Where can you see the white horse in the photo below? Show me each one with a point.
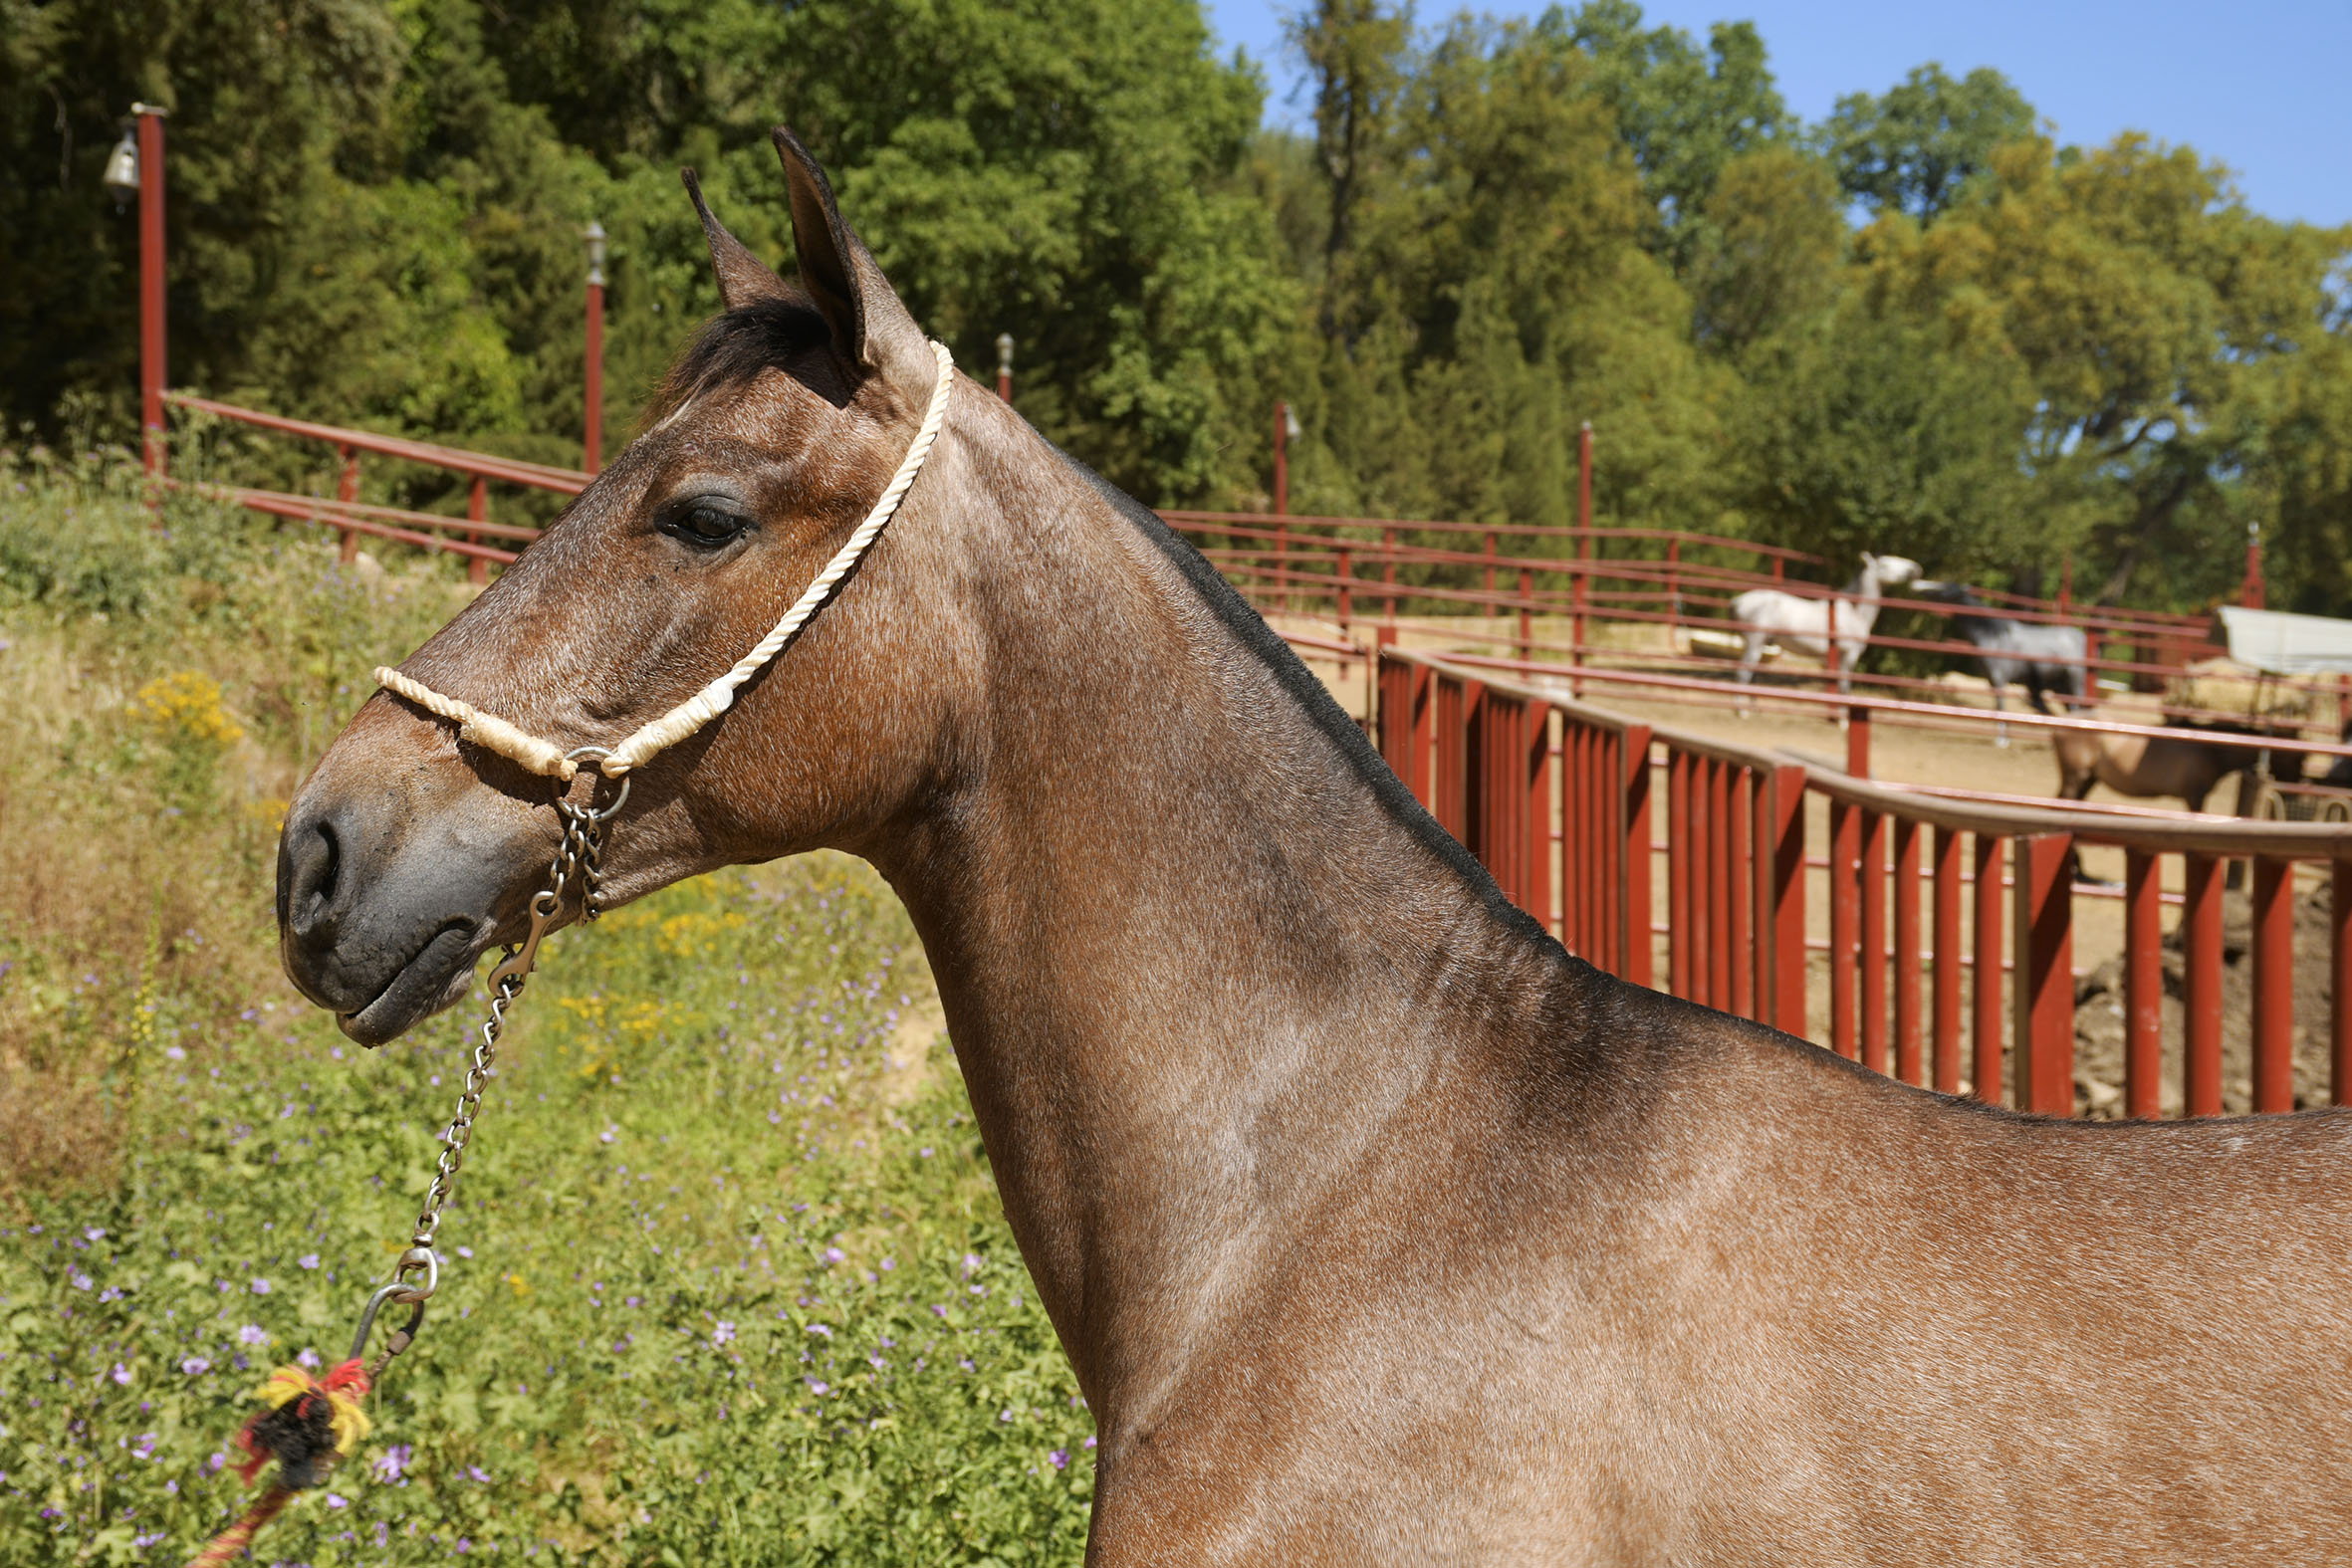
(1772, 616)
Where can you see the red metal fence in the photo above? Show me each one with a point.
(1581, 813)
(1338, 566)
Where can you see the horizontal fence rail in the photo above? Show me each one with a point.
(1339, 568)
(1949, 956)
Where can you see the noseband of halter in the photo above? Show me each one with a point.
(545, 756)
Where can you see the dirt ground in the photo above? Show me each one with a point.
(2025, 767)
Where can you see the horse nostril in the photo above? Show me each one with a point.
(309, 871)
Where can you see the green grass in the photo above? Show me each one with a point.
(727, 1279)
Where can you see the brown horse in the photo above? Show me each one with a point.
(1378, 1229)
(2145, 765)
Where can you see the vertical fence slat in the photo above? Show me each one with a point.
(1874, 941)
(2143, 984)
(2045, 1001)
(2201, 916)
(1678, 869)
(1738, 866)
(1590, 825)
(1605, 776)
(2275, 985)
(1424, 719)
(1760, 841)
(1845, 852)
(1719, 884)
(1633, 794)
(1789, 965)
(1535, 811)
(1906, 893)
(2339, 990)
(1945, 934)
(1985, 1020)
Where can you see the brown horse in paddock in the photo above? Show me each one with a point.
(2146, 765)
(1377, 1228)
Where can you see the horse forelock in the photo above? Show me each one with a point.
(734, 347)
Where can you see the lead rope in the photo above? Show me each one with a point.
(545, 756)
(307, 1424)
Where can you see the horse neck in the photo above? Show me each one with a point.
(1863, 607)
(1195, 954)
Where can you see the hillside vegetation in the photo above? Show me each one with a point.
(1922, 325)
(727, 1279)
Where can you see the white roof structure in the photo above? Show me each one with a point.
(2279, 643)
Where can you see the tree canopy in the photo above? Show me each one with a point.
(1921, 326)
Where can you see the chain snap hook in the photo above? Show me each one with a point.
(400, 1338)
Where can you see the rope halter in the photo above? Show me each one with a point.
(492, 733)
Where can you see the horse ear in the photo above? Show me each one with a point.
(870, 326)
(744, 278)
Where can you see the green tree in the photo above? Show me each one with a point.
(1494, 293)
(1912, 148)
(2162, 325)
(1685, 113)
(1769, 248)
(1861, 431)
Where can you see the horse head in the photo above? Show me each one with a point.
(410, 851)
(1959, 593)
(1890, 571)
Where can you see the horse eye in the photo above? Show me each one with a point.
(708, 525)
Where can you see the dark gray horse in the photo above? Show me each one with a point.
(2042, 659)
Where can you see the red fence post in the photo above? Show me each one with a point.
(1984, 1072)
(1346, 587)
(477, 510)
(1527, 613)
(2339, 990)
(346, 487)
(1388, 572)
(151, 352)
(1488, 608)
(2275, 985)
(1907, 1030)
(1640, 961)
(2045, 997)
(1788, 899)
(2143, 985)
(2201, 916)
(1945, 935)
(1580, 590)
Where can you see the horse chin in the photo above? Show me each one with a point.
(431, 981)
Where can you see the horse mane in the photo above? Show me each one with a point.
(1248, 628)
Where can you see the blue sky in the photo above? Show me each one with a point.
(2265, 85)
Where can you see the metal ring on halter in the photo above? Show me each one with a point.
(598, 753)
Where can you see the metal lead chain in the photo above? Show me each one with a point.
(578, 862)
